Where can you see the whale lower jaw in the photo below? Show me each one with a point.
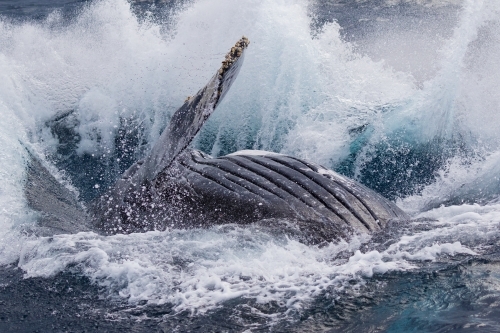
(248, 188)
(277, 193)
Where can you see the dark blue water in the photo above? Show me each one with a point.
(400, 96)
(36, 9)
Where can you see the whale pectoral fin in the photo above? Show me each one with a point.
(190, 117)
(58, 208)
(134, 186)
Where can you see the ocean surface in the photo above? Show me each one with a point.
(401, 95)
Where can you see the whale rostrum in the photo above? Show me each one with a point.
(175, 186)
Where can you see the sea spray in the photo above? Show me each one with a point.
(310, 96)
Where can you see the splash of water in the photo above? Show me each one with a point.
(314, 97)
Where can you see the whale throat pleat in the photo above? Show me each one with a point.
(190, 117)
(333, 202)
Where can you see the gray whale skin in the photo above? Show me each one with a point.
(176, 187)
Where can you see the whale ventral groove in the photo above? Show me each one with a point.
(178, 187)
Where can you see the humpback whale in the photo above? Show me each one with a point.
(175, 186)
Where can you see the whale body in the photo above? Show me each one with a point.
(178, 187)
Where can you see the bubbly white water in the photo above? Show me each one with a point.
(295, 94)
(198, 270)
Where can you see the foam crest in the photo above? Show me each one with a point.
(462, 180)
(439, 109)
(297, 91)
(14, 211)
(199, 270)
(104, 63)
(446, 124)
(356, 91)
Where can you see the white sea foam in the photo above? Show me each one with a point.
(200, 269)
